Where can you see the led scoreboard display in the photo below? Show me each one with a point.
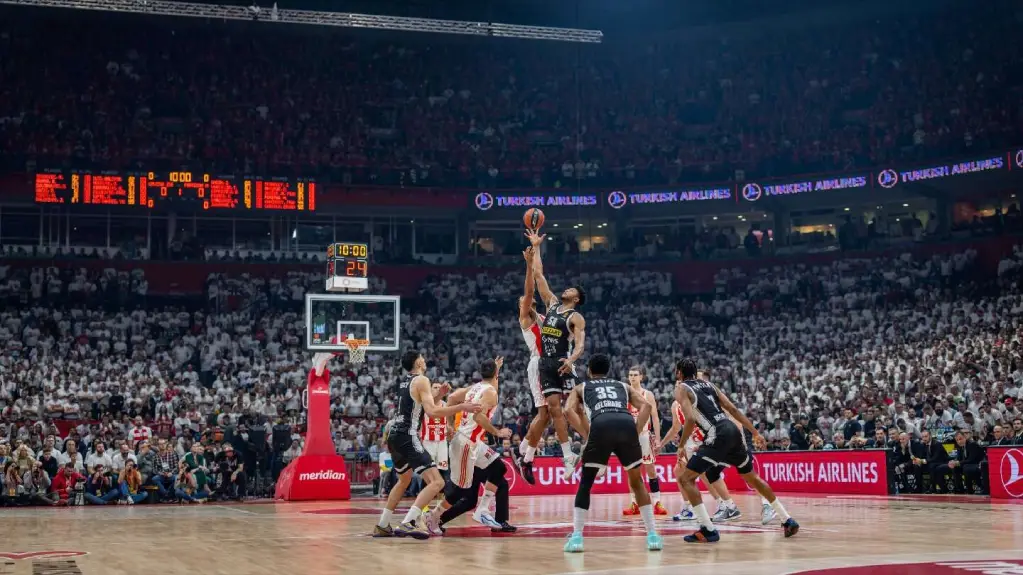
(347, 266)
(179, 189)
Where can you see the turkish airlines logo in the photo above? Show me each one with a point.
(321, 391)
(1012, 476)
(322, 476)
(22, 555)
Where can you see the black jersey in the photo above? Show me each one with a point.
(555, 338)
(603, 395)
(705, 401)
(409, 415)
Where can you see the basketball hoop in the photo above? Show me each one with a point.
(356, 350)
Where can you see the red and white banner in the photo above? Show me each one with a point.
(1005, 472)
(827, 472)
(832, 472)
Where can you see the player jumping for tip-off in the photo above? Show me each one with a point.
(562, 340)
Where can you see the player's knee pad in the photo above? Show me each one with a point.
(655, 484)
(582, 497)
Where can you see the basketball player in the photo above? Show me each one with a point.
(472, 460)
(684, 454)
(609, 428)
(725, 444)
(415, 395)
(648, 444)
(726, 510)
(434, 433)
(562, 339)
(529, 322)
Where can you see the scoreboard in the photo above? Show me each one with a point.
(179, 189)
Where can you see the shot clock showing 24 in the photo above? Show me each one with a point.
(347, 267)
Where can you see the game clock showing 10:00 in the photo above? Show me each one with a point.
(347, 260)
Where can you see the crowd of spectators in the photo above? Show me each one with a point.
(122, 402)
(402, 109)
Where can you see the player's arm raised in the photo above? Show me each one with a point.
(639, 402)
(573, 412)
(546, 294)
(578, 326)
(529, 292)
(487, 401)
(688, 411)
(737, 415)
(421, 387)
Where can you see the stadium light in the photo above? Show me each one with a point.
(316, 18)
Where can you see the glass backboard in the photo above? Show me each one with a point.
(332, 318)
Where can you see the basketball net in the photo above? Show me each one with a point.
(356, 350)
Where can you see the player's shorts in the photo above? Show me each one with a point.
(552, 382)
(407, 452)
(467, 456)
(728, 446)
(438, 452)
(533, 379)
(644, 446)
(613, 433)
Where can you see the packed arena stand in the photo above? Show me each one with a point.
(423, 110)
(844, 354)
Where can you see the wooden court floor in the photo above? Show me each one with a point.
(331, 538)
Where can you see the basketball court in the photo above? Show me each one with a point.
(840, 536)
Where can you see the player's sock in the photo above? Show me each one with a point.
(728, 503)
(530, 454)
(780, 510)
(385, 518)
(719, 503)
(566, 449)
(484, 503)
(655, 497)
(523, 447)
(579, 519)
(700, 511)
(764, 501)
(647, 513)
(632, 498)
(414, 513)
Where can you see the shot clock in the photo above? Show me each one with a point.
(347, 266)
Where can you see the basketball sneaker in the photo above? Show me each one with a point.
(654, 542)
(488, 521)
(505, 528)
(411, 529)
(685, 515)
(523, 468)
(433, 524)
(724, 514)
(631, 509)
(570, 461)
(379, 531)
(704, 535)
(659, 509)
(767, 514)
(790, 527)
(574, 543)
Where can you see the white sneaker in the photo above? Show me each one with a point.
(488, 521)
(432, 524)
(767, 515)
(720, 515)
(570, 461)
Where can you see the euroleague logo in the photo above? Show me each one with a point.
(1011, 468)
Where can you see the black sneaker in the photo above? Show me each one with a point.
(790, 527)
(504, 528)
(704, 535)
(526, 471)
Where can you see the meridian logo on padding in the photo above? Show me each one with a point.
(322, 476)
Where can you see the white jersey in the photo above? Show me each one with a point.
(532, 337)
(468, 426)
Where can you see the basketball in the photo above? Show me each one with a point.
(533, 218)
